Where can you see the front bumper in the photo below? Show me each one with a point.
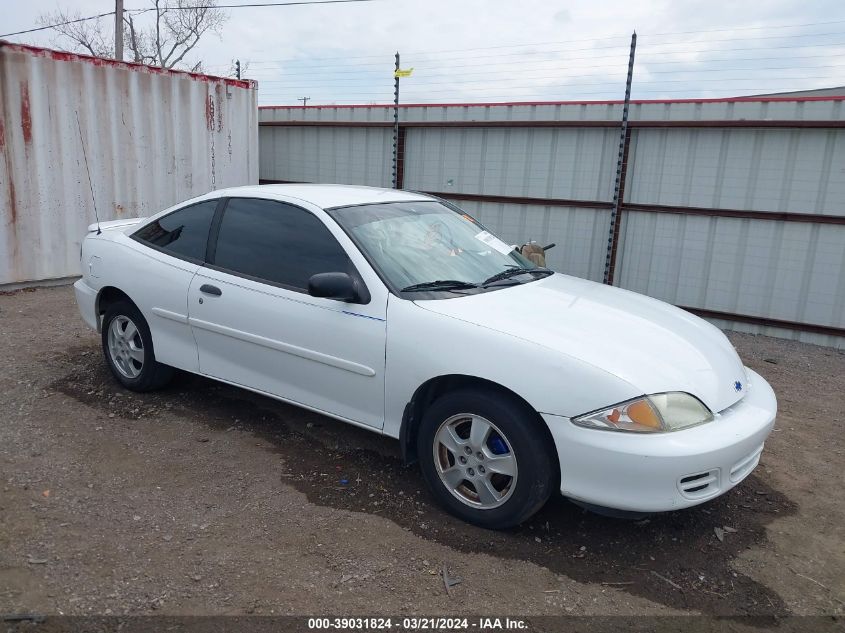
(666, 471)
(86, 299)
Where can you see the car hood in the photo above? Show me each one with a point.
(650, 344)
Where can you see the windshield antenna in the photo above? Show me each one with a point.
(90, 184)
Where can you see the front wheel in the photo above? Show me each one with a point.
(485, 458)
(128, 348)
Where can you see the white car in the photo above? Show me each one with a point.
(399, 313)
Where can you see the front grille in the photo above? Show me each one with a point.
(699, 485)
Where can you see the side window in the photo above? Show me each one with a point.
(276, 242)
(183, 233)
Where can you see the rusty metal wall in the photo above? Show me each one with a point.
(152, 138)
(545, 172)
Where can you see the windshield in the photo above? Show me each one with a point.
(427, 243)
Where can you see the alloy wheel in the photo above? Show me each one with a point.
(126, 347)
(475, 461)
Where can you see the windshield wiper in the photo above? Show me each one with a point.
(513, 272)
(440, 284)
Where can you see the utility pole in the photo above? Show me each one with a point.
(238, 68)
(621, 171)
(304, 100)
(396, 124)
(118, 30)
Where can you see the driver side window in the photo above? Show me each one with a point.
(276, 242)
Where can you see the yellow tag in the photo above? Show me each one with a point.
(403, 73)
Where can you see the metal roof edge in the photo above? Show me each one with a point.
(57, 55)
(755, 99)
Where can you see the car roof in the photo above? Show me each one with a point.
(327, 196)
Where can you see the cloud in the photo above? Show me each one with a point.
(493, 50)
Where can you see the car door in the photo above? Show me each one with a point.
(157, 272)
(256, 325)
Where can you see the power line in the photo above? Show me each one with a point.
(561, 82)
(434, 67)
(253, 5)
(597, 39)
(526, 57)
(424, 65)
(524, 73)
(276, 4)
(752, 28)
(614, 93)
(52, 26)
(735, 59)
(646, 58)
(564, 85)
(425, 56)
(455, 50)
(187, 8)
(449, 69)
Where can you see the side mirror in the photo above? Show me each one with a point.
(339, 286)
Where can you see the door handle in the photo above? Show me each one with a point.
(211, 290)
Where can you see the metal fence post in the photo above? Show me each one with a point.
(621, 173)
(396, 183)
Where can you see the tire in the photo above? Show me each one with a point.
(128, 349)
(511, 478)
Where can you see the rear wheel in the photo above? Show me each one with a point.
(128, 348)
(484, 458)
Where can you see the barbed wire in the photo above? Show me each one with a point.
(141, 11)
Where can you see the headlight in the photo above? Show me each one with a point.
(657, 413)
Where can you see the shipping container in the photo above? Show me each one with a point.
(79, 133)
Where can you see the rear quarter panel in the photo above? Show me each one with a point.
(156, 283)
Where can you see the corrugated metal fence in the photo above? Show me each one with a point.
(152, 138)
(734, 209)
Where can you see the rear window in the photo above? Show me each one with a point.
(183, 233)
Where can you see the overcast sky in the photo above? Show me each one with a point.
(510, 50)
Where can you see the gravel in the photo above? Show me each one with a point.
(206, 499)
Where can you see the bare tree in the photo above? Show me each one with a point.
(88, 36)
(174, 30)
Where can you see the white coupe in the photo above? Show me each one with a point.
(399, 313)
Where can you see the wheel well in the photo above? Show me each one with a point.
(108, 296)
(432, 389)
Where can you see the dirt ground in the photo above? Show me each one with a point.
(204, 498)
